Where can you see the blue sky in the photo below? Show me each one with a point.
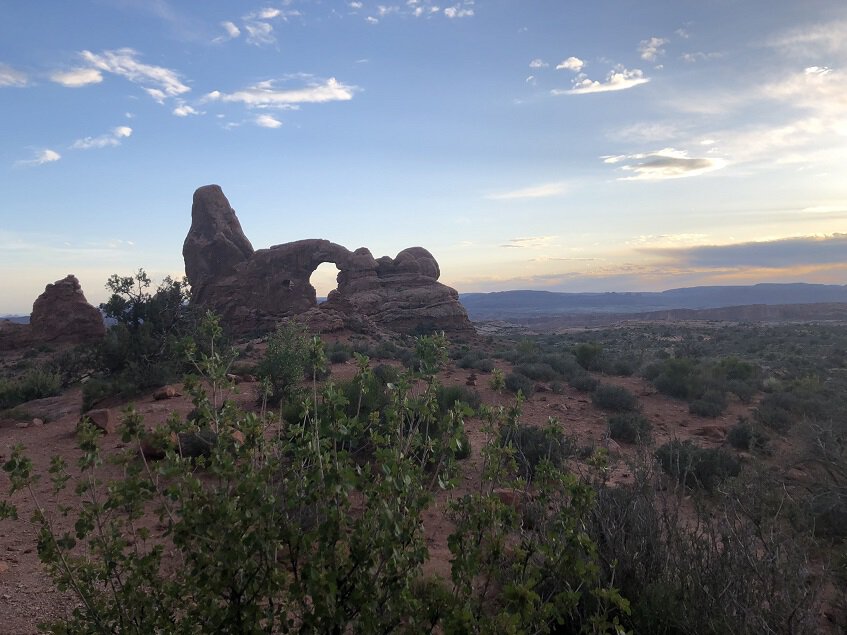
(573, 146)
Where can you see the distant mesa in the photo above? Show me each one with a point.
(60, 315)
(253, 289)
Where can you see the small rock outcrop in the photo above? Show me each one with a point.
(62, 314)
(253, 289)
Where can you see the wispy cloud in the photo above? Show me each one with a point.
(257, 24)
(11, 77)
(571, 64)
(41, 157)
(267, 121)
(111, 139)
(618, 79)
(538, 63)
(651, 48)
(231, 32)
(812, 39)
(184, 110)
(667, 163)
(158, 82)
(266, 95)
(464, 10)
(545, 190)
(531, 242)
(77, 77)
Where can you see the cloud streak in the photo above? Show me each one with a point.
(159, 82)
(41, 158)
(545, 190)
(111, 139)
(10, 77)
(667, 163)
(617, 79)
(266, 95)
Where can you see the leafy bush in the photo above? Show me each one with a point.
(517, 382)
(145, 346)
(743, 436)
(711, 404)
(35, 383)
(615, 398)
(532, 445)
(695, 466)
(588, 355)
(537, 371)
(677, 377)
(583, 382)
(447, 396)
(630, 427)
(284, 363)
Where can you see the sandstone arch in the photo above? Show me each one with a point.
(253, 289)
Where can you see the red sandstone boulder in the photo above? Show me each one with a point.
(62, 314)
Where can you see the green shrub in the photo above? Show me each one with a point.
(630, 427)
(284, 363)
(532, 445)
(517, 382)
(447, 396)
(711, 404)
(588, 355)
(615, 398)
(583, 382)
(35, 383)
(537, 371)
(743, 436)
(697, 467)
(339, 355)
(387, 373)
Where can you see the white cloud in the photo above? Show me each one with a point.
(11, 77)
(77, 77)
(652, 48)
(355, 5)
(828, 37)
(158, 81)
(267, 121)
(531, 242)
(383, 10)
(667, 163)
(41, 157)
(699, 56)
(538, 63)
(571, 64)
(259, 33)
(268, 13)
(265, 95)
(184, 110)
(111, 139)
(459, 11)
(372, 20)
(618, 79)
(232, 32)
(536, 191)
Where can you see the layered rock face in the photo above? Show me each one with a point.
(252, 290)
(62, 314)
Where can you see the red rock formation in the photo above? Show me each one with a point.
(62, 314)
(252, 290)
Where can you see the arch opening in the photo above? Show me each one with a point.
(324, 279)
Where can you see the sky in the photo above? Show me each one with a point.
(610, 145)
